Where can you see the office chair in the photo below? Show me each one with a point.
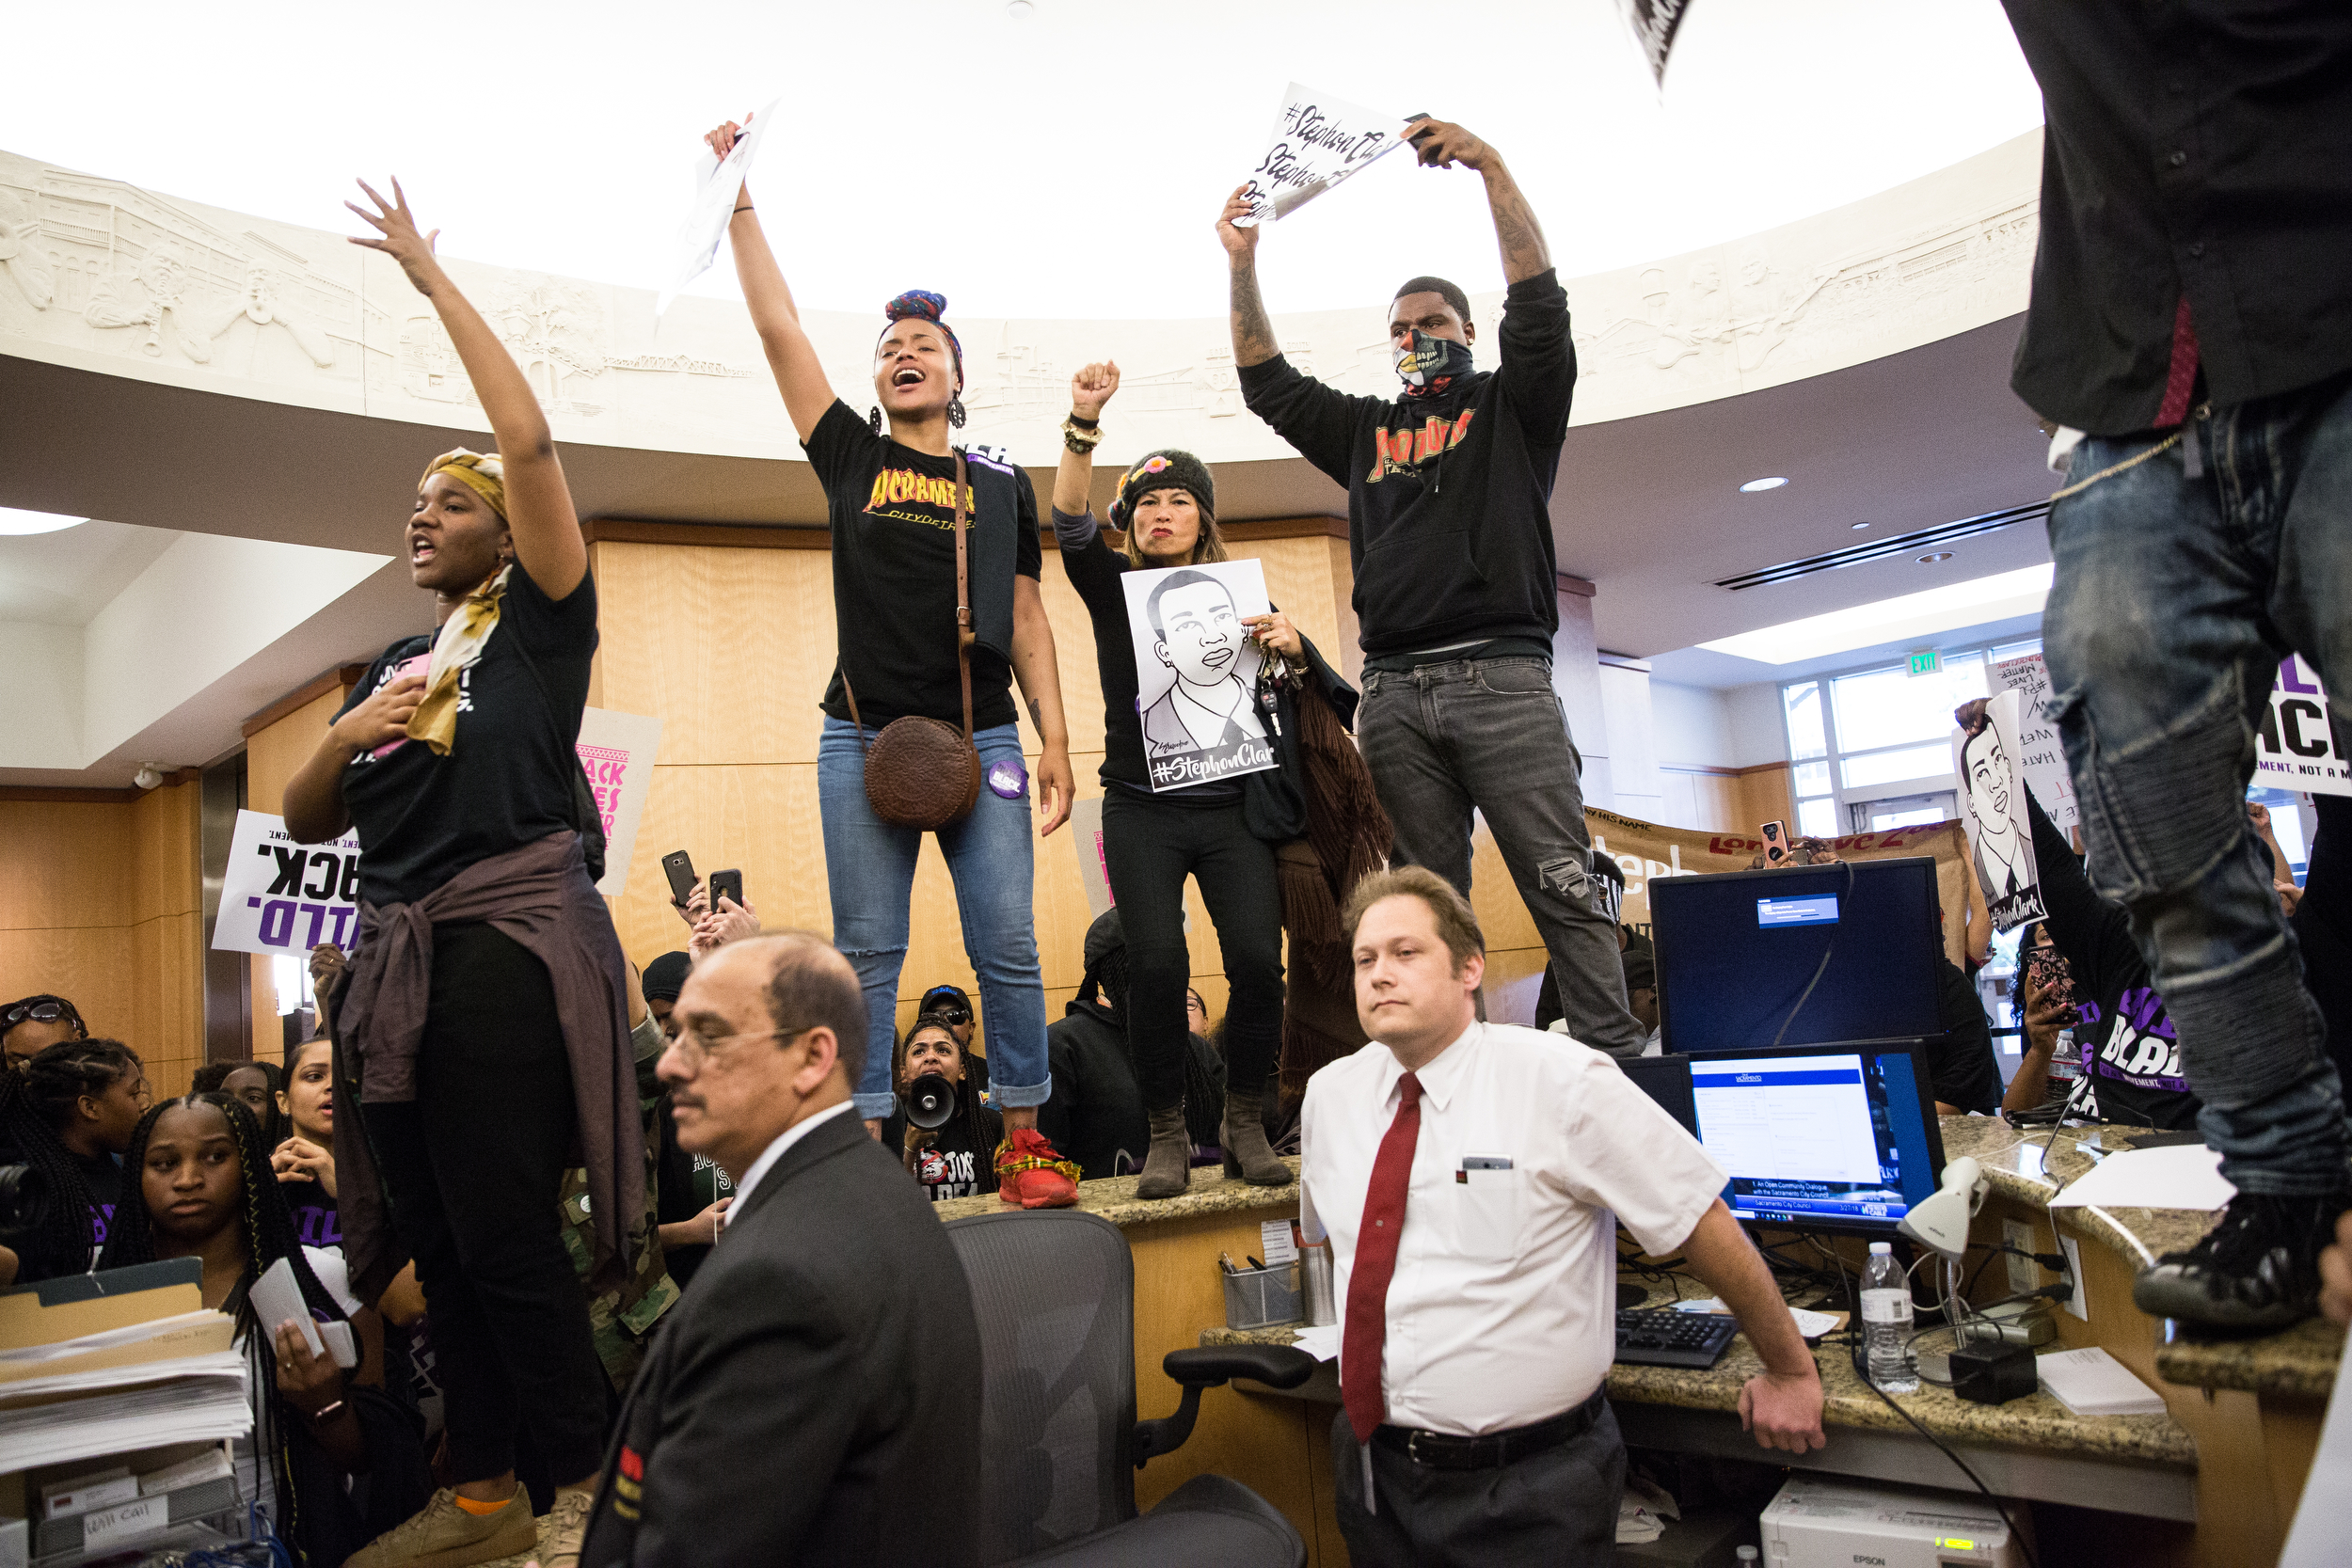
(1055, 1294)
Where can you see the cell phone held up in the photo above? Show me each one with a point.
(1775, 836)
(725, 884)
(679, 867)
(2046, 971)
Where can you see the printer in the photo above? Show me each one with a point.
(1822, 1522)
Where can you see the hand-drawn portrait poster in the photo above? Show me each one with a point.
(1992, 803)
(1197, 672)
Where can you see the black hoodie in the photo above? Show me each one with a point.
(1449, 494)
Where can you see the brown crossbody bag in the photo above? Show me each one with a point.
(921, 773)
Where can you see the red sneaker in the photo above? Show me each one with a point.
(1030, 1174)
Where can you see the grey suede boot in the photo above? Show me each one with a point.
(1167, 1168)
(1248, 1155)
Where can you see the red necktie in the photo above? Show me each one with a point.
(1366, 1335)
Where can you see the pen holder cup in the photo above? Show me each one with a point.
(1260, 1298)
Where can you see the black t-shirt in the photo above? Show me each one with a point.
(893, 515)
(317, 1220)
(958, 1163)
(507, 779)
(1961, 1061)
(102, 1177)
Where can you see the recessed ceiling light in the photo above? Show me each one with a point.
(14, 521)
(1019, 9)
(1751, 486)
(1857, 526)
(1933, 556)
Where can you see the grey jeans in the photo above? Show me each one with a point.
(1557, 1507)
(1489, 735)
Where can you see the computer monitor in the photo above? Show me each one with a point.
(1815, 1137)
(1737, 951)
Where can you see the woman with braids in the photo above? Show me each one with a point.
(485, 955)
(950, 1161)
(894, 501)
(338, 1458)
(69, 1114)
(254, 1083)
(1222, 832)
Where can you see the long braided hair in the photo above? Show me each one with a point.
(34, 1105)
(269, 1235)
(985, 1126)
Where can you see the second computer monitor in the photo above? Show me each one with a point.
(1736, 953)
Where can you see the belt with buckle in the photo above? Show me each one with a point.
(1439, 1451)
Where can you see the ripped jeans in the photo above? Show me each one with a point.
(2175, 599)
(1489, 735)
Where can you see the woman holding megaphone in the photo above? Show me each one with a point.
(944, 1129)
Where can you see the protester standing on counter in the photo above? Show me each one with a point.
(1450, 536)
(898, 506)
(486, 956)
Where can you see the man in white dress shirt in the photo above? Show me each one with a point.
(1471, 1177)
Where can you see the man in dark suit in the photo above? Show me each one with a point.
(816, 1396)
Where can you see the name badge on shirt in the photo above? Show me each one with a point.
(1480, 1162)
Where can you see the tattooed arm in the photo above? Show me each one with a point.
(1442, 145)
(1253, 334)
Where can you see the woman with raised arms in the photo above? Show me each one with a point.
(894, 502)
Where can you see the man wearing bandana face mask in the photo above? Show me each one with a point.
(1449, 490)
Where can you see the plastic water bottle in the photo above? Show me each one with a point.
(1887, 1321)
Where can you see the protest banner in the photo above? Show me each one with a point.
(2042, 757)
(284, 898)
(1655, 23)
(716, 183)
(1196, 670)
(1317, 141)
(1999, 834)
(2296, 747)
(1646, 851)
(617, 751)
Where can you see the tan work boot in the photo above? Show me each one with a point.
(444, 1535)
(1248, 1155)
(1167, 1168)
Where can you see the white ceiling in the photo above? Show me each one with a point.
(1067, 166)
(63, 579)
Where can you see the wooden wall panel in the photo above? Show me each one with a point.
(275, 752)
(1764, 796)
(99, 902)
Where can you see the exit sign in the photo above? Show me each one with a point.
(1926, 662)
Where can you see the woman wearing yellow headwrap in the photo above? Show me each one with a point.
(481, 1028)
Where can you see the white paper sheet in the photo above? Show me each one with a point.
(2187, 1175)
(1197, 667)
(1317, 141)
(1811, 1325)
(716, 186)
(1322, 1343)
(2000, 836)
(276, 1298)
(1274, 1240)
(2043, 758)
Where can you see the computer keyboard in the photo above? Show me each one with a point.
(1658, 1336)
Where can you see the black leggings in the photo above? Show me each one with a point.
(473, 1168)
(1149, 846)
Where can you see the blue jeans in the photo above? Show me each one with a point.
(2175, 599)
(869, 871)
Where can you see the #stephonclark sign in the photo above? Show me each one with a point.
(1317, 142)
(2295, 748)
(1999, 835)
(280, 897)
(617, 750)
(1655, 23)
(716, 183)
(2042, 757)
(1196, 671)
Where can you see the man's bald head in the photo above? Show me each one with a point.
(809, 985)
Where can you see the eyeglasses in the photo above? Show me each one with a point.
(949, 1012)
(693, 1050)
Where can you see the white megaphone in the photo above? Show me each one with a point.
(1941, 1223)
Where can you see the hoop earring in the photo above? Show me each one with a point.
(873, 419)
(955, 411)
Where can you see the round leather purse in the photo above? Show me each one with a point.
(920, 772)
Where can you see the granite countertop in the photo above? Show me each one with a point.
(2033, 1166)
(2037, 1423)
(1114, 1199)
